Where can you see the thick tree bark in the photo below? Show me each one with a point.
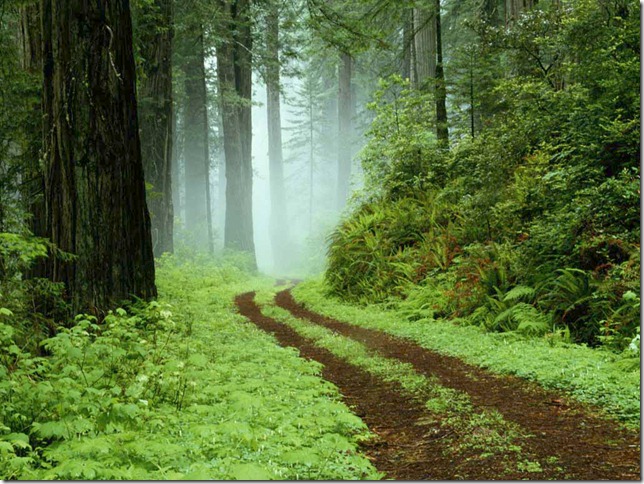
(442, 132)
(235, 75)
(94, 184)
(155, 116)
(345, 129)
(514, 8)
(33, 181)
(196, 149)
(425, 44)
(278, 225)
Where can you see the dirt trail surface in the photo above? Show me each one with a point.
(406, 448)
(587, 446)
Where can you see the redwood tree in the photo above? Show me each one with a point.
(345, 128)
(196, 151)
(94, 184)
(155, 116)
(234, 70)
(278, 225)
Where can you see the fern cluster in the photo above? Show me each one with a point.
(177, 389)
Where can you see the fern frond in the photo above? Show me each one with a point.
(520, 293)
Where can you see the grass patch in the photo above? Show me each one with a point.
(180, 389)
(595, 376)
(485, 432)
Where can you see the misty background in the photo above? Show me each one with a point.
(309, 140)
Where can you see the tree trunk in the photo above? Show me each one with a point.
(177, 177)
(345, 131)
(413, 54)
(33, 181)
(514, 8)
(155, 116)
(196, 151)
(425, 43)
(235, 76)
(94, 184)
(408, 38)
(442, 132)
(278, 217)
(221, 178)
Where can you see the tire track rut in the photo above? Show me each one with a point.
(407, 448)
(588, 447)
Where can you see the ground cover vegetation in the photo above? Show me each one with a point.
(600, 377)
(530, 222)
(484, 431)
(180, 388)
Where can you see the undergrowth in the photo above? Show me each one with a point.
(464, 426)
(182, 388)
(593, 375)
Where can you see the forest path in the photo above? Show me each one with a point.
(566, 438)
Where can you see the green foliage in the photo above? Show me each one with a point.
(544, 195)
(377, 252)
(597, 376)
(177, 389)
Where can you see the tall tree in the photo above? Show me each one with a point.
(442, 132)
(234, 69)
(514, 8)
(429, 70)
(345, 126)
(155, 116)
(407, 39)
(196, 148)
(278, 225)
(94, 183)
(425, 45)
(32, 176)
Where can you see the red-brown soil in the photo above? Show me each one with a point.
(588, 447)
(407, 447)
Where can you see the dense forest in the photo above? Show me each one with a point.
(435, 202)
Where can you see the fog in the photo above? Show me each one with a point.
(307, 230)
(311, 214)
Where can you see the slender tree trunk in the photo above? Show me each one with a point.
(345, 130)
(221, 178)
(94, 183)
(235, 87)
(196, 152)
(408, 38)
(177, 157)
(442, 132)
(211, 237)
(311, 158)
(278, 225)
(155, 115)
(413, 53)
(472, 95)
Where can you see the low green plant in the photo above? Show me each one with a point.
(469, 428)
(598, 376)
(182, 388)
